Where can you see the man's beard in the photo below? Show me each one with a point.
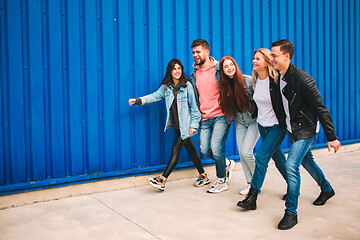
(200, 63)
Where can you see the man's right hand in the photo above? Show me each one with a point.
(335, 144)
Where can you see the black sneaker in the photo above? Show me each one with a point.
(323, 197)
(288, 221)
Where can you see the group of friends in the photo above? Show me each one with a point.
(279, 99)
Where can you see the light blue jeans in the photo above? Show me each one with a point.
(270, 148)
(247, 134)
(300, 154)
(213, 134)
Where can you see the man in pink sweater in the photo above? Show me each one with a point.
(214, 126)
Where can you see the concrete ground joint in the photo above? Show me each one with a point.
(128, 219)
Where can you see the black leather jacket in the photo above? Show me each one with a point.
(305, 105)
(276, 102)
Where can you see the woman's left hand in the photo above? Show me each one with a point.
(193, 131)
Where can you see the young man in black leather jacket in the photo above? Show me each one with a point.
(304, 108)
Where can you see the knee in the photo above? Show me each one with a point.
(205, 150)
(246, 156)
(262, 160)
(292, 170)
(217, 151)
(175, 150)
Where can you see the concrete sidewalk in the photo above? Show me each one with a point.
(186, 212)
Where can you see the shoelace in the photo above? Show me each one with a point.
(218, 182)
(201, 177)
(160, 180)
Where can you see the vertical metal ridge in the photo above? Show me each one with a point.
(64, 47)
(99, 164)
(357, 63)
(26, 88)
(116, 82)
(69, 67)
(46, 74)
(355, 30)
(3, 97)
(82, 52)
(147, 76)
(17, 168)
(346, 69)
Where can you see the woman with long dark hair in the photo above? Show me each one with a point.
(182, 114)
(236, 102)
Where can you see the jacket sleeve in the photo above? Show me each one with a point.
(195, 114)
(154, 97)
(193, 83)
(248, 80)
(313, 98)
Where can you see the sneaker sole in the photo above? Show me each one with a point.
(246, 207)
(202, 184)
(155, 186)
(219, 191)
(230, 171)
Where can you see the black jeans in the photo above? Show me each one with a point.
(175, 154)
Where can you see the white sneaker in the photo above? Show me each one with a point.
(246, 190)
(219, 186)
(229, 169)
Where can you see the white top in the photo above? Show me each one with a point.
(286, 107)
(266, 114)
(285, 103)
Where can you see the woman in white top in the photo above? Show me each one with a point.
(271, 123)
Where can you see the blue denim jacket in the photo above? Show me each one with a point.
(250, 90)
(189, 114)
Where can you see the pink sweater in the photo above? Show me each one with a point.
(208, 90)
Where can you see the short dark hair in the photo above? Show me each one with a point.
(200, 42)
(285, 46)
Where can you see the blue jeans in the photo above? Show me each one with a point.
(270, 148)
(247, 134)
(300, 154)
(213, 134)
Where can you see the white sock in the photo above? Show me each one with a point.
(227, 161)
(222, 180)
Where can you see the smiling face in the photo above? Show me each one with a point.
(200, 54)
(229, 68)
(280, 61)
(176, 72)
(259, 63)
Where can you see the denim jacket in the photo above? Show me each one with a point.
(249, 88)
(189, 114)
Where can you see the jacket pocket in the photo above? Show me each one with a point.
(182, 99)
(302, 113)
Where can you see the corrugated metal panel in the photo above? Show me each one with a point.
(69, 67)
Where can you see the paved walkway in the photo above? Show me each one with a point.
(186, 212)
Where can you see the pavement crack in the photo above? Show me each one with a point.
(128, 219)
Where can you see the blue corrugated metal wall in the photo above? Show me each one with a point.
(68, 68)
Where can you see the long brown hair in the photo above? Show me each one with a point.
(231, 100)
